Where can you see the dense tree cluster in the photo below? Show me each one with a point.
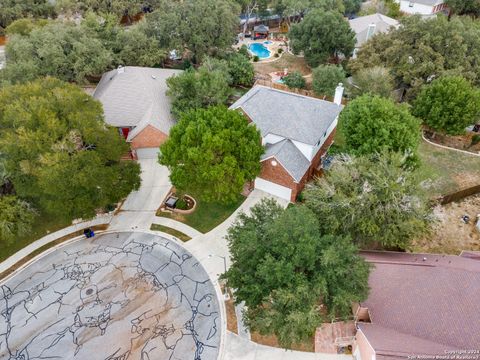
(291, 274)
(212, 153)
(210, 83)
(57, 152)
(322, 36)
(377, 200)
(201, 27)
(422, 50)
(11, 10)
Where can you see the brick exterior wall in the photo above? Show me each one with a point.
(278, 174)
(148, 138)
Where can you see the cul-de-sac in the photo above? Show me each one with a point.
(240, 180)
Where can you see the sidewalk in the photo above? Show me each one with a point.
(238, 348)
(211, 248)
(177, 225)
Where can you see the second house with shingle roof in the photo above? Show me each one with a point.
(296, 131)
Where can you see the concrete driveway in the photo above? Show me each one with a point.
(138, 210)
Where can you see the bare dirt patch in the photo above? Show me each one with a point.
(271, 340)
(288, 61)
(450, 235)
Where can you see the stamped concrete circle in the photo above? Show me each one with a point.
(116, 296)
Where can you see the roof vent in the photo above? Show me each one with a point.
(424, 259)
(154, 77)
(274, 163)
(120, 69)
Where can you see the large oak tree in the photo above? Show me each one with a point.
(212, 153)
(57, 151)
(292, 276)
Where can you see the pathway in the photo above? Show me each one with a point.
(211, 248)
(177, 225)
(239, 348)
(138, 210)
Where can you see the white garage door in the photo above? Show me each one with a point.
(274, 189)
(147, 153)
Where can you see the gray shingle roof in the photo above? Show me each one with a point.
(290, 157)
(136, 98)
(286, 114)
(360, 26)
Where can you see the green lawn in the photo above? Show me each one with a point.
(173, 232)
(207, 215)
(447, 170)
(43, 226)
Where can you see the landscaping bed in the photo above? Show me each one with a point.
(207, 215)
(173, 232)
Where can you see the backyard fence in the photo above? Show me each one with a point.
(459, 195)
(303, 92)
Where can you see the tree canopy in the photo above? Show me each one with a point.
(372, 124)
(322, 35)
(375, 200)
(212, 153)
(203, 27)
(464, 7)
(209, 85)
(11, 10)
(294, 80)
(448, 105)
(73, 52)
(376, 80)
(326, 79)
(16, 217)
(421, 50)
(287, 271)
(58, 153)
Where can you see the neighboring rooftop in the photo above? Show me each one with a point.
(367, 26)
(289, 156)
(136, 97)
(427, 2)
(430, 301)
(289, 115)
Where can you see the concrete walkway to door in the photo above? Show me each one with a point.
(138, 210)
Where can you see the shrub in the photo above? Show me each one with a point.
(294, 80)
(181, 204)
(448, 104)
(256, 58)
(280, 50)
(276, 55)
(326, 79)
(475, 140)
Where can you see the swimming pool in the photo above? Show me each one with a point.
(259, 50)
(268, 42)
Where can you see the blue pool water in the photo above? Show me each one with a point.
(260, 50)
(267, 42)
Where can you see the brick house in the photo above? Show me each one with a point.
(134, 101)
(423, 7)
(419, 304)
(296, 131)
